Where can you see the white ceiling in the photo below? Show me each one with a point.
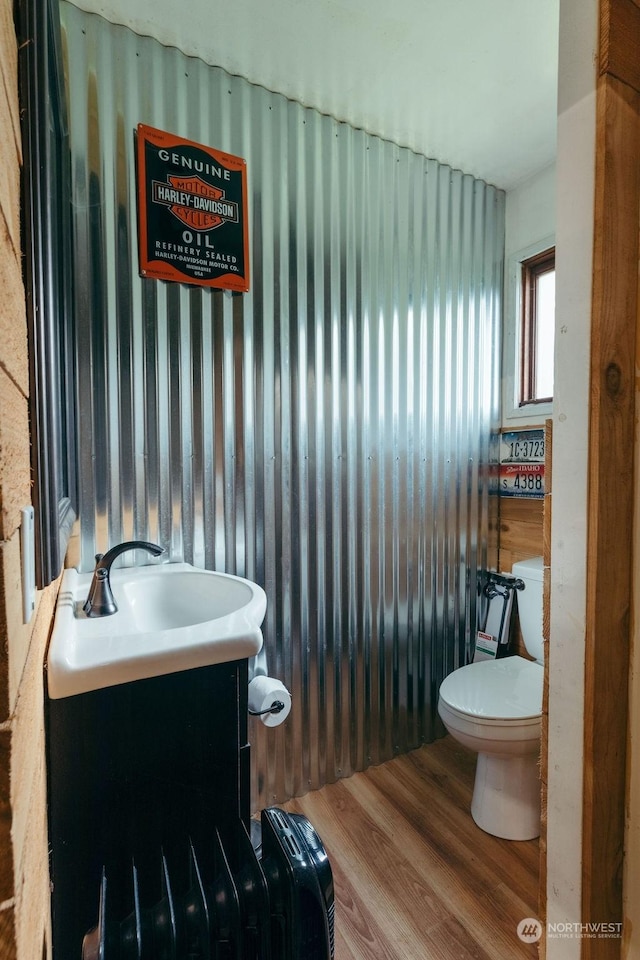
(471, 83)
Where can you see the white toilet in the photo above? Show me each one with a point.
(494, 707)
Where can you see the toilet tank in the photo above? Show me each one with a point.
(530, 604)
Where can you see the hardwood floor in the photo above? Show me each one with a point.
(415, 878)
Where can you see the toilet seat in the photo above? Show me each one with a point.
(495, 691)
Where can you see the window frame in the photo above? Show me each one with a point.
(510, 413)
(532, 268)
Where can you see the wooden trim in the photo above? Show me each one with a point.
(610, 503)
(544, 726)
(520, 427)
(620, 41)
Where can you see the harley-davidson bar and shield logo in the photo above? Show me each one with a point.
(192, 212)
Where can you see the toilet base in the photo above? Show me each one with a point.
(506, 796)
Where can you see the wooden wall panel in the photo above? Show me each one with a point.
(11, 294)
(24, 862)
(620, 41)
(9, 180)
(7, 932)
(15, 455)
(11, 622)
(546, 633)
(14, 357)
(6, 857)
(32, 881)
(521, 533)
(9, 71)
(521, 537)
(616, 333)
(610, 502)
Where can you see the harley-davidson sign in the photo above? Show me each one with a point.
(192, 212)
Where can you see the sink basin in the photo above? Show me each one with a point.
(191, 597)
(170, 617)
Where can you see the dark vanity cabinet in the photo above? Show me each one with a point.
(139, 774)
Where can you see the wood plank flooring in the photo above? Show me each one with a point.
(415, 878)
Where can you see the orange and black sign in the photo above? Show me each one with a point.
(192, 212)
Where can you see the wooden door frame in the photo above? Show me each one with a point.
(611, 489)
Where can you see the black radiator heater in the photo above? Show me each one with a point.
(233, 903)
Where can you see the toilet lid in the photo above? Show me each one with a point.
(506, 689)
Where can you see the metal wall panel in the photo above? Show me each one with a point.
(328, 434)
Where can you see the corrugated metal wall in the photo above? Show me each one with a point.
(327, 434)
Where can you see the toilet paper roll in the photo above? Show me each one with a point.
(263, 693)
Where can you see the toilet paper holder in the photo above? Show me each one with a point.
(498, 587)
(268, 700)
(505, 580)
(276, 707)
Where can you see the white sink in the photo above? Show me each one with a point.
(170, 617)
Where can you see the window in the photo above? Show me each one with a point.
(538, 299)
